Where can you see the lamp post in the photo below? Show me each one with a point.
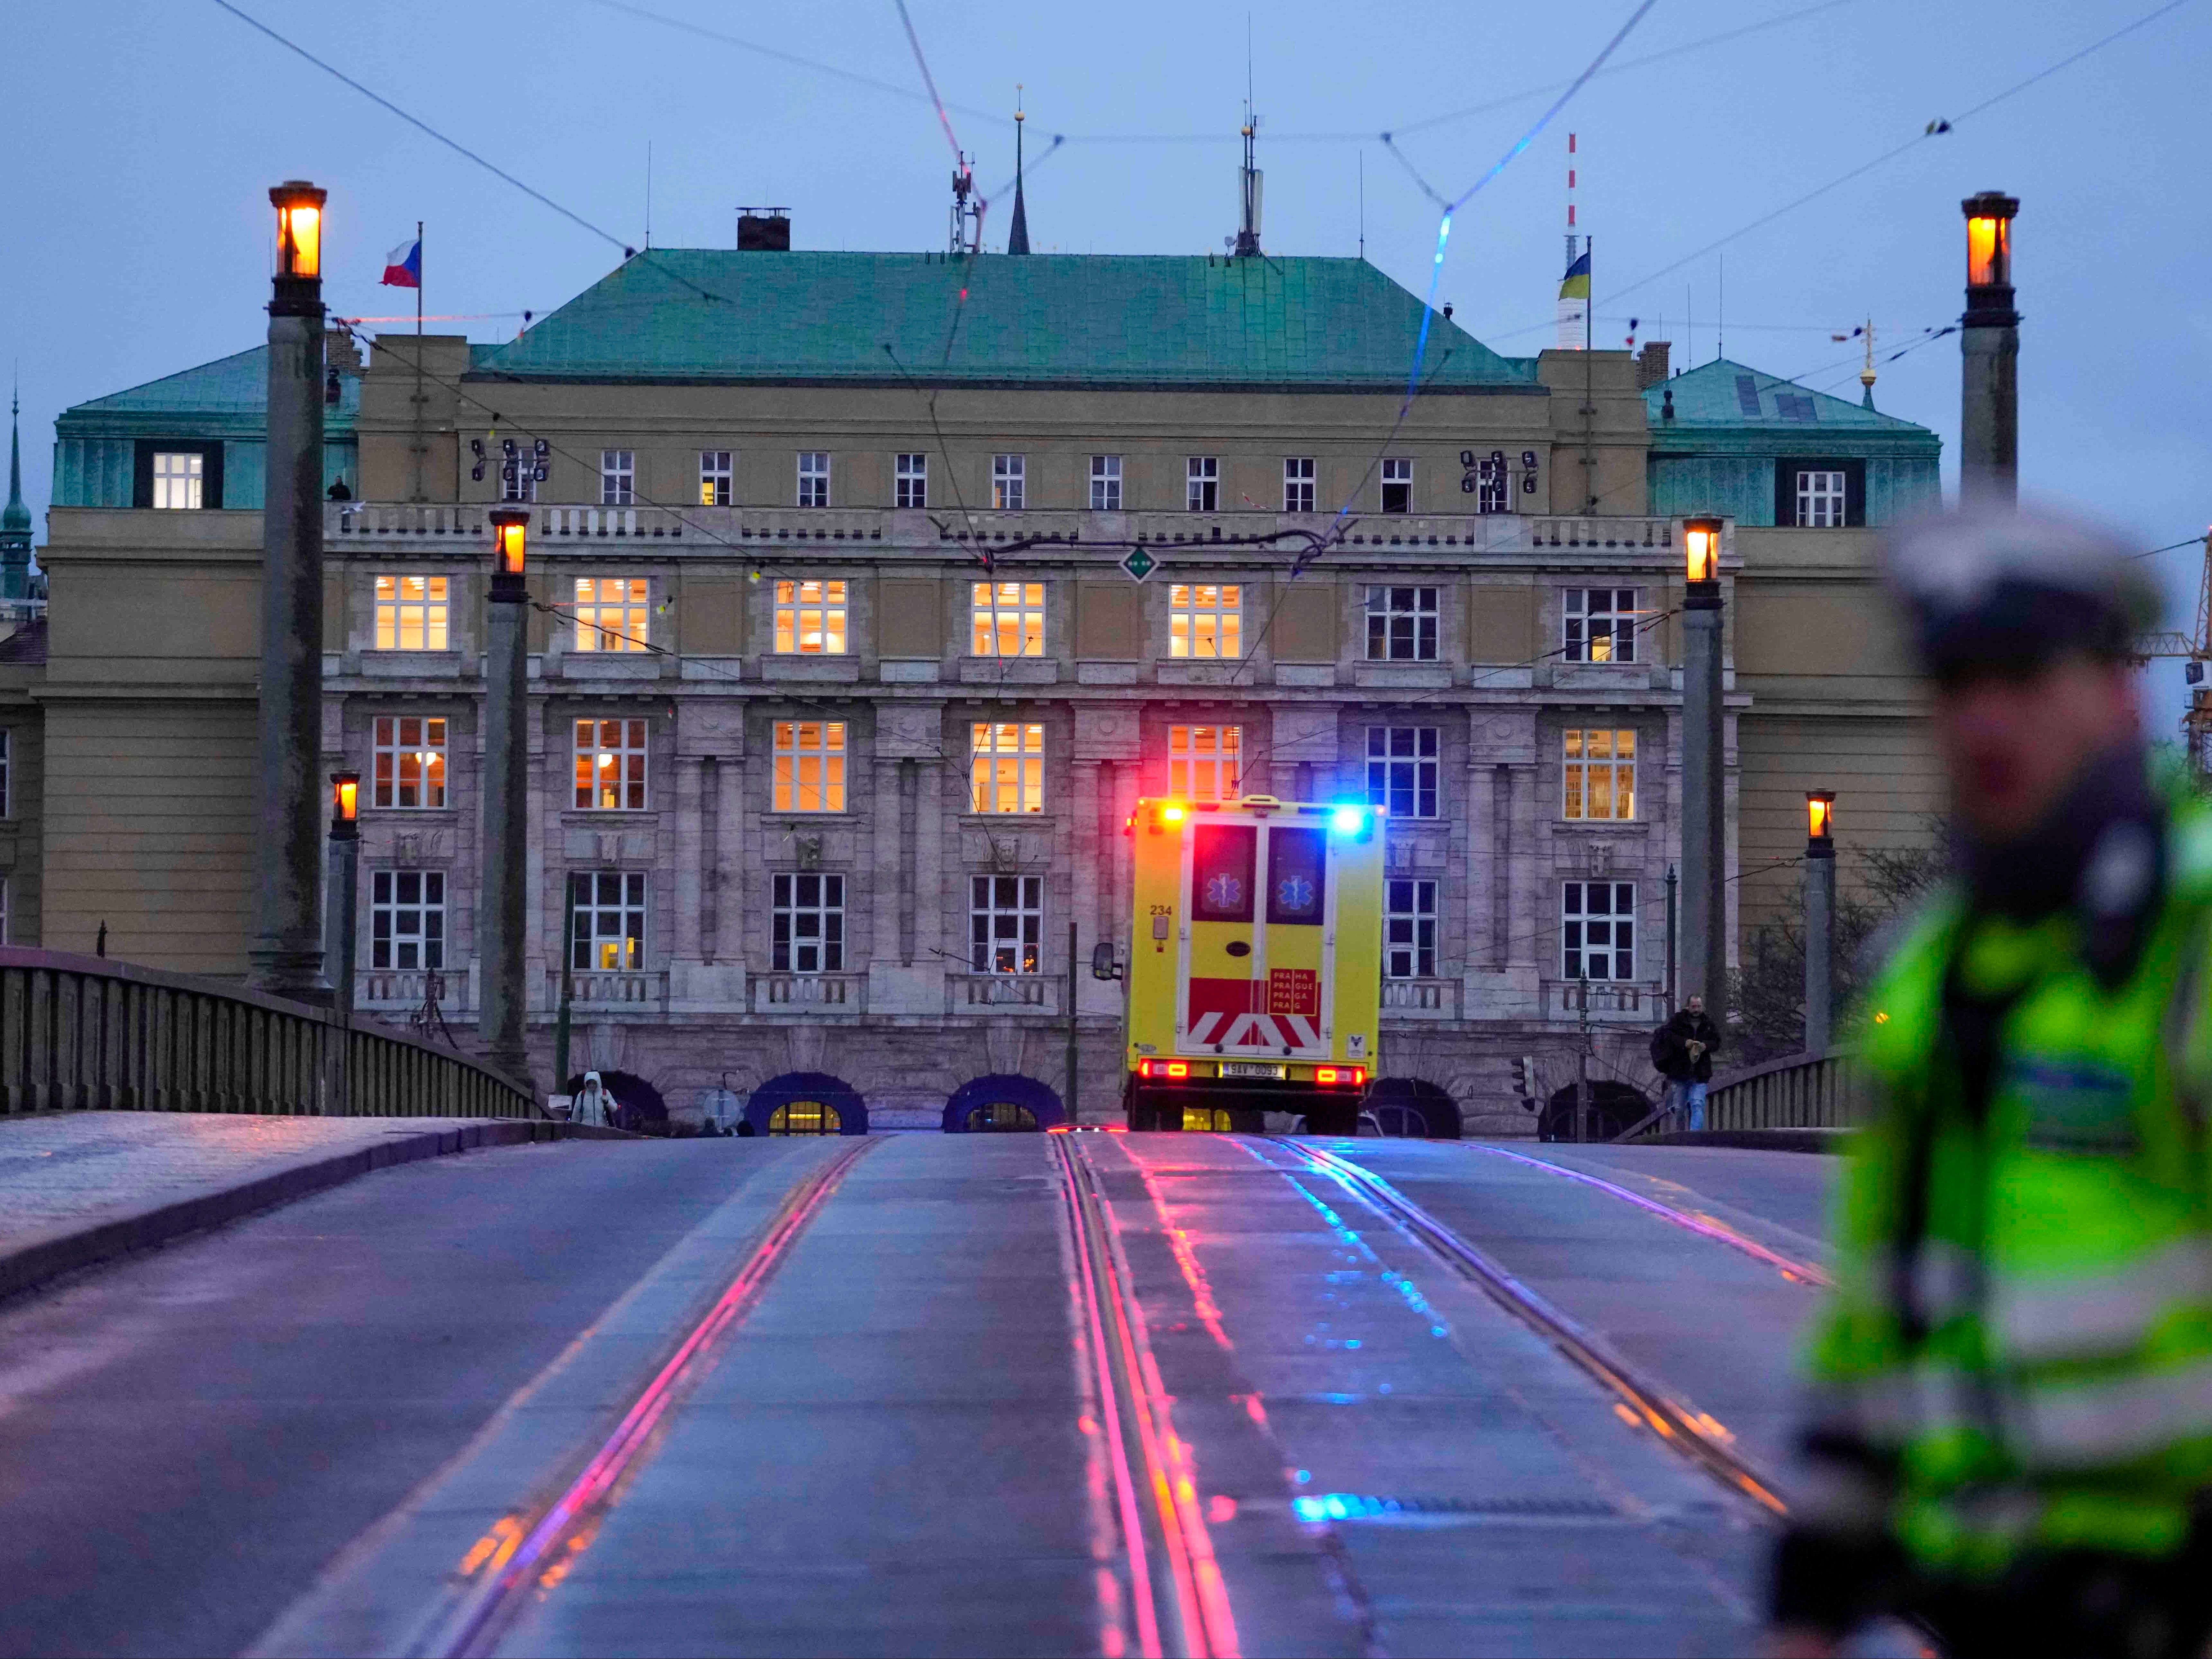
(286, 954)
(1820, 918)
(340, 898)
(503, 910)
(1989, 345)
(1705, 818)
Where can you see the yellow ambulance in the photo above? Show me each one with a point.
(1254, 977)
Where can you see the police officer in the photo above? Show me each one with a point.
(2010, 1434)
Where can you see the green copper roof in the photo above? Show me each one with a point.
(1067, 319)
(229, 397)
(1724, 404)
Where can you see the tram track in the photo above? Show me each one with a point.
(1638, 1397)
(1177, 1606)
(536, 1545)
(1706, 1226)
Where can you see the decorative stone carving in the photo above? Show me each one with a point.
(1106, 734)
(808, 850)
(907, 730)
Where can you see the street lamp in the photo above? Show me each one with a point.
(1989, 346)
(1705, 813)
(286, 951)
(502, 912)
(341, 899)
(1819, 819)
(299, 230)
(1701, 554)
(1820, 918)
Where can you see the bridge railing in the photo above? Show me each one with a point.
(1800, 1092)
(85, 1033)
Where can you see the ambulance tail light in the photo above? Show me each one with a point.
(1340, 1076)
(1162, 1068)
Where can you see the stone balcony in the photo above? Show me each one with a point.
(1612, 1002)
(827, 994)
(450, 528)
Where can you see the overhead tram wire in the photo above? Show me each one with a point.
(1935, 129)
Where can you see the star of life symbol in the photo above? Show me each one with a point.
(1224, 892)
(1294, 893)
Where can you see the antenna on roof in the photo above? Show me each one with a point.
(1575, 278)
(967, 214)
(648, 193)
(1248, 184)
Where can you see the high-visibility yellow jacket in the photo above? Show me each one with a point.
(2018, 1352)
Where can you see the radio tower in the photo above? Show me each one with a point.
(1574, 286)
(967, 215)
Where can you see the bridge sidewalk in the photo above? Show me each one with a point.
(78, 1188)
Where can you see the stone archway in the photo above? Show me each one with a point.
(808, 1103)
(1002, 1102)
(1413, 1108)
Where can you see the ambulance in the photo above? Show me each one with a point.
(1255, 975)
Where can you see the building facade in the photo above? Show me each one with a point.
(841, 690)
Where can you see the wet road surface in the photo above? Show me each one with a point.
(1082, 1394)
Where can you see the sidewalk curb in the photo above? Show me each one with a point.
(1763, 1140)
(31, 1265)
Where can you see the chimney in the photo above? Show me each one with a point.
(763, 230)
(1651, 363)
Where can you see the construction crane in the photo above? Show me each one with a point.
(2195, 649)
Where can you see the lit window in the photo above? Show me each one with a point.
(1397, 484)
(611, 613)
(1204, 761)
(407, 918)
(1009, 482)
(178, 479)
(1006, 768)
(814, 478)
(618, 477)
(716, 477)
(1597, 932)
(1820, 500)
(607, 912)
(1401, 624)
(1601, 776)
(1298, 484)
(411, 613)
(1203, 487)
(913, 481)
(1401, 769)
(810, 766)
(809, 618)
(1105, 483)
(1601, 624)
(1205, 619)
(1409, 929)
(1009, 619)
(809, 925)
(1006, 924)
(410, 762)
(610, 766)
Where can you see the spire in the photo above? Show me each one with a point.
(1018, 232)
(1866, 375)
(15, 520)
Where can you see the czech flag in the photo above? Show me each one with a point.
(403, 267)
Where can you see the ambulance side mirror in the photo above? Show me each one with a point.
(1102, 964)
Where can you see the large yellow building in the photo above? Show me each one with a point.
(840, 690)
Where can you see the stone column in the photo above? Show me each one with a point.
(287, 952)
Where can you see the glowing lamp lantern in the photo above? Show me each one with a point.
(1988, 239)
(345, 805)
(510, 529)
(1820, 817)
(1701, 550)
(299, 230)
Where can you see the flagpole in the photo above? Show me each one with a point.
(418, 288)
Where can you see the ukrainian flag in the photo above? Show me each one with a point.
(1574, 301)
(1577, 285)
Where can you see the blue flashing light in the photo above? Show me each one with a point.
(1348, 820)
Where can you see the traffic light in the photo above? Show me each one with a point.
(1524, 1080)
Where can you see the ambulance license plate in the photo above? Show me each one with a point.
(1253, 1068)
